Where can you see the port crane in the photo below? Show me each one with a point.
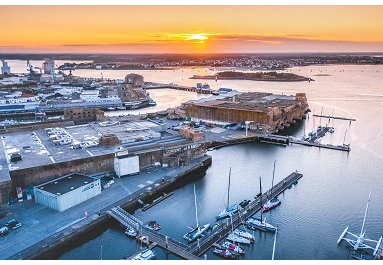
(360, 242)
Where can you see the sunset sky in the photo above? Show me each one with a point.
(190, 28)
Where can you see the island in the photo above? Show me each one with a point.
(258, 76)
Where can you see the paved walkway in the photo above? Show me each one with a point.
(40, 222)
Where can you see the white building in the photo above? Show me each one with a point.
(126, 164)
(89, 95)
(65, 192)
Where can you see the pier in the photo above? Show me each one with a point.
(193, 251)
(327, 146)
(334, 117)
(178, 87)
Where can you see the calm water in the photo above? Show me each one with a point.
(331, 195)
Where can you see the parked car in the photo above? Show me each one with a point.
(13, 224)
(4, 231)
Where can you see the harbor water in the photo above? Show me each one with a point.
(331, 195)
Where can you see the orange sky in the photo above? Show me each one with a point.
(191, 29)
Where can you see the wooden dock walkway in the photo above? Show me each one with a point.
(193, 251)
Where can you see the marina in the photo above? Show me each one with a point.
(192, 252)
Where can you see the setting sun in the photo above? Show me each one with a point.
(197, 37)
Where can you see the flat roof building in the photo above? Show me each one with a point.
(65, 192)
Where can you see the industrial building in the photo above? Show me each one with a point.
(65, 192)
(264, 111)
(32, 157)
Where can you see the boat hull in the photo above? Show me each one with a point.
(196, 233)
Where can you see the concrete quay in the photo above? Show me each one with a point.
(45, 230)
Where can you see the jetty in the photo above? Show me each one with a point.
(178, 87)
(193, 251)
(334, 117)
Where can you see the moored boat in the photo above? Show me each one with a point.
(238, 239)
(230, 210)
(153, 225)
(227, 212)
(271, 204)
(255, 223)
(130, 232)
(146, 254)
(274, 202)
(196, 232)
(244, 234)
(224, 253)
(233, 247)
(199, 230)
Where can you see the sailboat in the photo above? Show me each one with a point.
(274, 202)
(361, 242)
(230, 210)
(255, 223)
(199, 230)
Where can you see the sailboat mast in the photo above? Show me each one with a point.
(272, 182)
(275, 239)
(196, 209)
(344, 139)
(228, 190)
(260, 192)
(365, 214)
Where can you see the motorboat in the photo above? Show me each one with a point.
(130, 232)
(146, 254)
(153, 225)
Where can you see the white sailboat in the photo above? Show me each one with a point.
(274, 202)
(230, 210)
(199, 230)
(361, 241)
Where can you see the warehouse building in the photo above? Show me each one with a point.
(65, 192)
(264, 111)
